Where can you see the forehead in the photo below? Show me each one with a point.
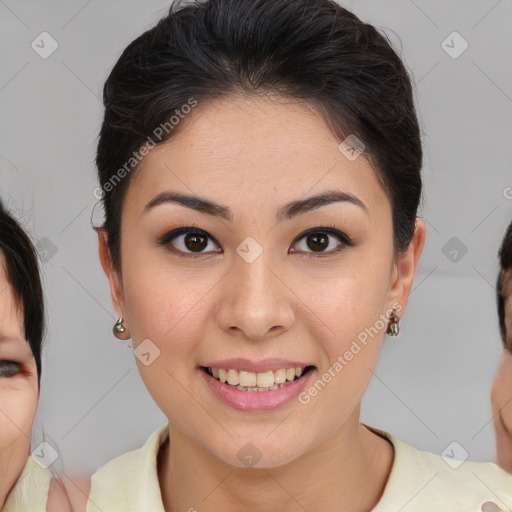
(258, 147)
(11, 315)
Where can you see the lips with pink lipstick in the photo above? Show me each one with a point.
(263, 385)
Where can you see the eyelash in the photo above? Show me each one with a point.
(7, 363)
(194, 228)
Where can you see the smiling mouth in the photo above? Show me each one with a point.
(257, 381)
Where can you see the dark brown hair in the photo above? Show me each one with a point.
(309, 50)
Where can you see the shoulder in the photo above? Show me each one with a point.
(127, 478)
(478, 478)
(31, 489)
(424, 481)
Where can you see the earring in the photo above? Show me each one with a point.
(119, 328)
(393, 329)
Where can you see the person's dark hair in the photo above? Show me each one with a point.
(22, 271)
(308, 50)
(504, 284)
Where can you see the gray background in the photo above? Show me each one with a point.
(432, 383)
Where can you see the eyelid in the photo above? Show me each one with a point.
(329, 230)
(192, 228)
(165, 239)
(175, 233)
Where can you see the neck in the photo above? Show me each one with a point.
(347, 472)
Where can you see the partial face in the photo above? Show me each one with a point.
(507, 291)
(501, 394)
(18, 388)
(256, 289)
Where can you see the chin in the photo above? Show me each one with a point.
(258, 452)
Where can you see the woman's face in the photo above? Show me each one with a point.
(263, 288)
(501, 392)
(18, 388)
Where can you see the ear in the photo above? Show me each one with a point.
(114, 279)
(405, 269)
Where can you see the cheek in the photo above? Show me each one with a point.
(17, 412)
(354, 303)
(164, 305)
(166, 314)
(508, 322)
(353, 314)
(166, 299)
(501, 393)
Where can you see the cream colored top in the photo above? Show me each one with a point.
(419, 482)
(30, 493)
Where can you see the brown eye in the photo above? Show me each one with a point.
(195, 241)
(318, 240)
(189, 242)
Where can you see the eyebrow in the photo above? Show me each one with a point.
(287, 212)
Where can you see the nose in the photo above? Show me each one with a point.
(256, 302)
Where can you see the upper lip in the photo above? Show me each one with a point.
(263, 365)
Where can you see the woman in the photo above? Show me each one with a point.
(259, 162)
(26, 485)
(501, 395)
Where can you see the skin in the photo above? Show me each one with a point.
(501, 393)
(18, 389)
(19, 396)
(58, 500)
(254, 155)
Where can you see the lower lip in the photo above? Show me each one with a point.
(257, 400)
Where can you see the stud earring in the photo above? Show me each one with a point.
(119, 329)
(393, 329)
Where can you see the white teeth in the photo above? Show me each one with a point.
(265, 380)
(233, 377)
(261, 381)
(247, 379)
(280, 376)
